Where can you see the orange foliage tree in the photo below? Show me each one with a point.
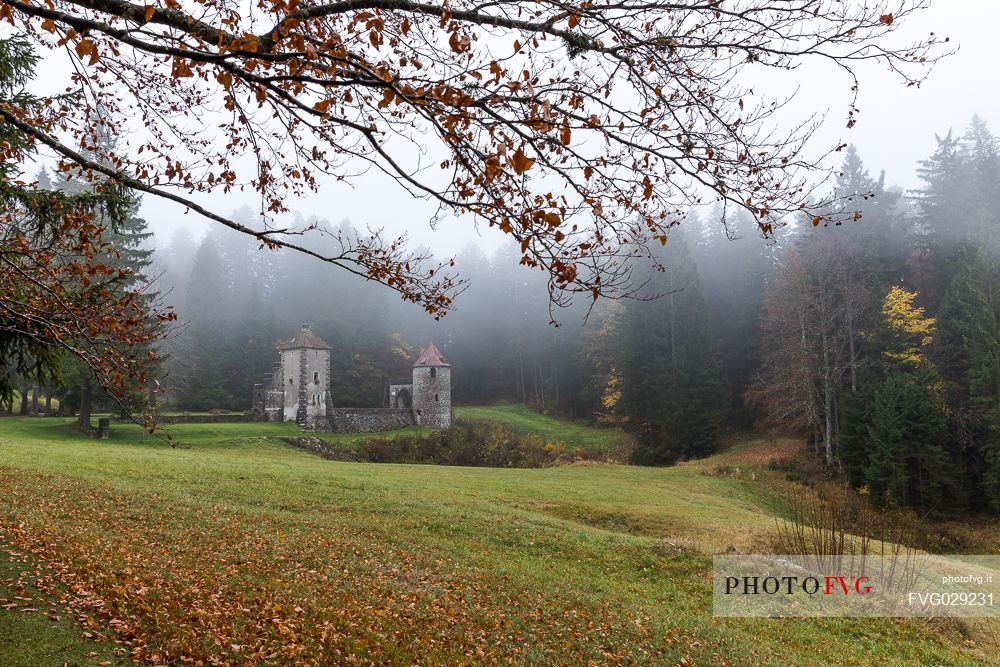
(582, 130)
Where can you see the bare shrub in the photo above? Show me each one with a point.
(837, 530)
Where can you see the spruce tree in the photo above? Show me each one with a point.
(671, 382)
(129, 250)
(40, 221)
(896, 440)
(207, 335)
(968, 352)
(25, 358)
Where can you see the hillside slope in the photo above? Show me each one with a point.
(235, 549)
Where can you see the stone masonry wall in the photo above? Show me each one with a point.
(301, 414)
(290, 372)
(366, 420)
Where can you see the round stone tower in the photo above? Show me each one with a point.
(432, 389)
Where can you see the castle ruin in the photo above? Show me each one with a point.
(298, 389)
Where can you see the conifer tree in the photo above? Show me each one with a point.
(895, 441)
(60, 296)
(968, 353)
(129, 251)
(670, 372)
(207, 335)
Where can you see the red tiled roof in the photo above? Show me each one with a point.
(305, 338)
(431, 356)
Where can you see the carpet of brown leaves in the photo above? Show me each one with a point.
(207, 585)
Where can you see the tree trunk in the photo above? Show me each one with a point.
(850, 343)
(34, 400)
(827, 403)
(673, 332)
(48, 400)
(84, 418)
(24, 400)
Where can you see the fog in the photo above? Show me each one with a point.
(235, 301)
(896, 129)
(797, 333)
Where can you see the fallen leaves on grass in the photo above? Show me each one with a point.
(200, 584)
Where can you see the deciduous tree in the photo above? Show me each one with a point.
(59, 291)
(583, 131)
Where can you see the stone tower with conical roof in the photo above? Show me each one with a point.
(432, 389)
(298, 389)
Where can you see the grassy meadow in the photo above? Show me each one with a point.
(521, 419)
(234, 548)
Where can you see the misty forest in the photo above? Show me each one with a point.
(551, 333)
(878, 340)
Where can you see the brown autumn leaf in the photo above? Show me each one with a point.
(886, 19)
(459, 43)
(647, 188)
(181, 69)
(388, 95)
(565, 135)
(521, 162)
(87, 47)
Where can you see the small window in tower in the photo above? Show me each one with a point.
(435, 397)
(434, 372)
(291, 380)
(316, 377)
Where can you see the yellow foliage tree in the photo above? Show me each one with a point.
(609, 400)
(911, 331)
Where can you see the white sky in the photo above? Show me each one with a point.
(896, 129)
(897, 124)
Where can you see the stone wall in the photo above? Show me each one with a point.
(290, 377)
(401, 396)
(365, 420)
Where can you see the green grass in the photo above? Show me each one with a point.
(520, 418)
(35, 632)
(233, 543)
